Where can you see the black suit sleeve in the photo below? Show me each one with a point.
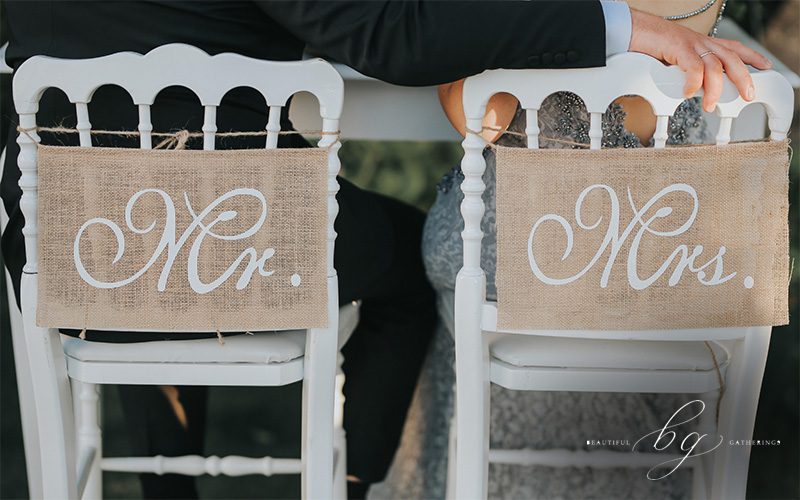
(430, 42)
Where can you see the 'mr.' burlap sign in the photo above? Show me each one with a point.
(182, 240)
(647, 238)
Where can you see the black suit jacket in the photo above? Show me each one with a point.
(403, 42)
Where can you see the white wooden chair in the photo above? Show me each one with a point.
(68, 432)
(674, 361)
(27, 411)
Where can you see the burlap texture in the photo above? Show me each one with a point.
(78, 184)
(742, 200)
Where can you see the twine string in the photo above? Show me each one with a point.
(171, 140)
(719, 379)
(177, 141)
(525, 136)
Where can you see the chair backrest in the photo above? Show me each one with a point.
(143, 77)
(624, 74)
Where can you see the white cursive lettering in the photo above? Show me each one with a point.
(615, 239)
(173, 245)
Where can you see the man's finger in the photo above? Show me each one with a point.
(693, 66)
(745, 53)
(736, 71)
(712, 81)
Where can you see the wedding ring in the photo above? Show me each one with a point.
(706, 53)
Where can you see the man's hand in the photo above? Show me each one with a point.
(682, 47)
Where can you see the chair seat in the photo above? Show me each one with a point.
(559, 352)
(259, 348)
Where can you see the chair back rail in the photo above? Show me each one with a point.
(144, 76)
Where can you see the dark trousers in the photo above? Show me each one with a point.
(377, 259)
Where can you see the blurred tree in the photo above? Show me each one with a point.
(408, 171)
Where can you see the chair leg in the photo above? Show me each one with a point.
(738, 413)
(27, 410)
(27, 403)
(53, 405)
(472, 390)
(89, 437)
(339, 441)
(318, 394)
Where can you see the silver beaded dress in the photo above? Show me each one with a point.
(523, 419)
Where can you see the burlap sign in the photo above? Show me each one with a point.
(617, 239)
(182, 240)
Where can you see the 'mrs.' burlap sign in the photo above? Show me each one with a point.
(639, 239)
(182, 240)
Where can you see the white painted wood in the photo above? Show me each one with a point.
(89, 438)
(261, 348)
(145, 127)
(216, 374)
(595, 130)
(29, 184)
(318, 394)
(660, 85)
(330, 140)
(530, 351)
(738, 414)
(85, 461)
(661, 135)
(27, 410)
(195, 465)
(472, 357)
(209, 127)
(532, 127)
(724, 132)
(49, 382)
(143, 76)
(348, 320)
(599, 459)
(742, 365)
(321, 352)
(538, 378)
(84, 126)
(264, 359)
(339, 443)
(53, 405)
(273, 126)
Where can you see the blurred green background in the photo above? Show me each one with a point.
(255, 422)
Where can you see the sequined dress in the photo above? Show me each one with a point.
(523, 419)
